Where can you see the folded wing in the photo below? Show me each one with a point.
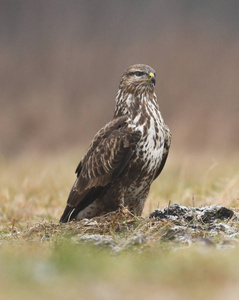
(107, 156)
(167, 143)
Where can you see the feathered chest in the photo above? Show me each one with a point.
(149, 150)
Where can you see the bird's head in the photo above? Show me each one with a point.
(136, 89)
(138, 78)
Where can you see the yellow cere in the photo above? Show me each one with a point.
(151, 74)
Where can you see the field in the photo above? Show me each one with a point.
(61, 63)
(42, 259)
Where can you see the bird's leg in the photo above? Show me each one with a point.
(122, 208)
(121, 199)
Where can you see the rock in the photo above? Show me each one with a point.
(136, 239)
(207, 225)
(207, 214)
(174, 210)
(97, 239)
(204, 241)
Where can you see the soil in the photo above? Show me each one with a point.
(174, 226)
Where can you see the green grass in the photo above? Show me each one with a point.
(63, 270)
(42, 259)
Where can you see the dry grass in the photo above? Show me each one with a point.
(44, 259)
(36, 188)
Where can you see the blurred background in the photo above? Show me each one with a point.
(61, 63)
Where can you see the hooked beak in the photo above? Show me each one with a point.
(152, 78)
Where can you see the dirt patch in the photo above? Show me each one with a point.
(171, 227)
(211, 225)
(174, 225)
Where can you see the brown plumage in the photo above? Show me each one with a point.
(126, 155)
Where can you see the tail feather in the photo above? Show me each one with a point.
(71, 211)
(67, 214)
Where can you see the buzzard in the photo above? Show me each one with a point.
(126, 155)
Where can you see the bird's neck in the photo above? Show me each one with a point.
(134, 104)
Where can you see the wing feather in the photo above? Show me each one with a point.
(106, 158)
(167, 143)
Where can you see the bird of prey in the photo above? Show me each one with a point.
(126, 155)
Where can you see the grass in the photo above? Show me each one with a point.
(42, 259)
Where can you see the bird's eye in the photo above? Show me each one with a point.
(138, 74)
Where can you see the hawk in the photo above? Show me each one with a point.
(126, 155)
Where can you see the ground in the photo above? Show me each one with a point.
(119, 256)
